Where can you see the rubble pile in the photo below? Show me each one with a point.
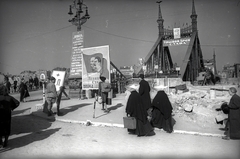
(197, 106)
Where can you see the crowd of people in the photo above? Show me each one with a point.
(22, 85)
(14, 83)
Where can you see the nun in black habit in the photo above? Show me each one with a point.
(144, 91)
(135, 108)
(162, 111)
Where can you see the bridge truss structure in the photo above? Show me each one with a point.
(159, 62)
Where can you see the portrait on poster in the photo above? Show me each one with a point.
(96, 63)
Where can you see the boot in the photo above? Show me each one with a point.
(106, 109)
(50, 113)
(103, 107)
(1, 142)
(59, 113)
(5, 141)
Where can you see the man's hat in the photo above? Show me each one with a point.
(52, 78)
(141, 76)
(102, 78)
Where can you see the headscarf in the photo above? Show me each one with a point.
(161, 102)
(132, 87)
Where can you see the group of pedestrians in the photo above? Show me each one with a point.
(20, 85)
(12, 84)
(148, 113)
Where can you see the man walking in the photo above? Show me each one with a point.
(51, 95)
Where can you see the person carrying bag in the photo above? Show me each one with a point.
(103, 89)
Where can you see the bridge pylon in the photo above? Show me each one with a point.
(159, 60)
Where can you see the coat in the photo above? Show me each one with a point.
(136, 109)
(7, 104)
(162, 112)
(234, 117)
(144, 91)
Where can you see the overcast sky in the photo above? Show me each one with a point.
(36, 34)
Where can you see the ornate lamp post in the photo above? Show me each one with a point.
(77, 20)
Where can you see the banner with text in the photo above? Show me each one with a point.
(96, 63)
(76, 58)
(174, 42)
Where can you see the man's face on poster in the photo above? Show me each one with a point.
(92, 63)
(97, 65)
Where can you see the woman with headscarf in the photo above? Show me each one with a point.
(136, 109)
(162, 111)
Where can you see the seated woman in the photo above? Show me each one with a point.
(162, 111)
(136, 109)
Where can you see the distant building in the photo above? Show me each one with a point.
(237, 70)
(127, 71)
(228, 71)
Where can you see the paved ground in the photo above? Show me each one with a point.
(37, 136)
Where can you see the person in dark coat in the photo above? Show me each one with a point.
(31, 82)
(233, 123)
(7, 104)
(36, 82)
(144, 91)
(135, 108)
(162, 111)
(23, 91)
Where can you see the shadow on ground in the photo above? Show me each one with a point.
(28, 129)
(69, 109)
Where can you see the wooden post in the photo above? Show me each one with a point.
(43, 93)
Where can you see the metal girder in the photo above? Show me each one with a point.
(117, 69)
